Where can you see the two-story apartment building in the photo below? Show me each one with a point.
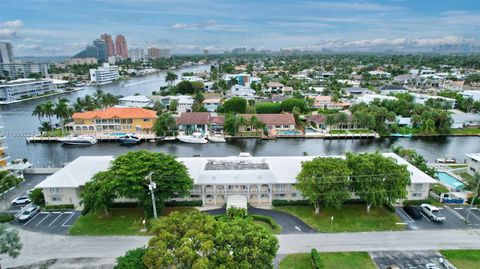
(473, 161)
(114, 119)
(259, 179)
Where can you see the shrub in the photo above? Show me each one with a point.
(390, 207)
(125, 205)
(37, 197)
(54, 207)
(184, 203)
(290, 202)
(132, 259)
(316, 260)
(269, 220)
(6, 218)
(235, 105)
(268, 108)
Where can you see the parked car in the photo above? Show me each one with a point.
(28, 213)
(412, 211)
(431, 266)
(432, 212)
(22, 200)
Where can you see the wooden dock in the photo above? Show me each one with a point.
(100, 138)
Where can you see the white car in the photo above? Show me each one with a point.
(22, 200)
(28, 213)
(431, 266)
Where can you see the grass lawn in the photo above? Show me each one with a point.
(465, 176)
(337, 260)
(338, 132)
(463, 259)
(120, 221)
(350, 218)
(264, 225)
(360, 131)
(466, 131)
(457, 165)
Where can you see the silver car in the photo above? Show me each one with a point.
(28, 213)
(22, 200)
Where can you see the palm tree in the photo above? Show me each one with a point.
(45, 127)
(331, 120)
(48, 110)
(62, 112)
(38, 111)
(256, 123)
(342, 119)
(170, 78)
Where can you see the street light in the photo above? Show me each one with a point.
(152, 186)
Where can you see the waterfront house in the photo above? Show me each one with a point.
(273, 122)
(316, 121)
(135, 101)
(325, 102)
(114, 119)
(473, 161)
(199, 121)
(259, 179)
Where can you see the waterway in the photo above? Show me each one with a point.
(18, 124)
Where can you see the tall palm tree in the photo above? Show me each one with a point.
(38, 111)
(62, 112)
(170, 78)
(49, 110)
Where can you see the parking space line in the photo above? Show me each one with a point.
(59, 215)
(48, 214)
(425, 216)
(71, 215)
(411, 220)
(30, 220)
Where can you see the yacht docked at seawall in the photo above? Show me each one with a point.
(194, 138)
(78, 140)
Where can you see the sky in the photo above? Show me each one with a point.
(64, 27)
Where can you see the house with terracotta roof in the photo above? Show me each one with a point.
(276, 87)
(199, 121)
(114, 119)
(274, 122)
(325, 102)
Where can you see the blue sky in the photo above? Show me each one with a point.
(63, 27)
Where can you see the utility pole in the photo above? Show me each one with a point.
(152, 186)
(477, 177)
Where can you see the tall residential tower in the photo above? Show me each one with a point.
(109, 42)
(121, 46)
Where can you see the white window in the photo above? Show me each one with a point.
(54, 190)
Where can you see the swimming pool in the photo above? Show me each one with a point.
(289, 132)
(448, 180)
(116, 134)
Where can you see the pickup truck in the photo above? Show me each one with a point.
(432, 212)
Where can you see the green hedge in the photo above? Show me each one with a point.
(316, 260)
(184, 203)
(6, 218)
(125, 205)
(417, 202)
(290, 202)
(270, 221)
(390, 207)
(65, 206)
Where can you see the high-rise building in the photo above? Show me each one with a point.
(154, 53)
(6, 53)
(136, 54)
(110, 47)
(121, 46)
(101, 49)
(104, 74)
(205, 52)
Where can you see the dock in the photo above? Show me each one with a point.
(99, 137)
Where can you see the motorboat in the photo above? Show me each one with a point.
(217, 138)
(78, 140)
(446, 160)
(195, 138)
(129, 139)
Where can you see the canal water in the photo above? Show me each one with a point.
(18, 124)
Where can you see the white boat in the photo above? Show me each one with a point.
(195, 138)
(129, 139)
(78, 140)
(217, 138)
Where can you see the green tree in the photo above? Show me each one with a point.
(198, 102)
(325, 181)
(235, 105)
(170, 78)
(37, 197)
(38, 111)
(230, 124)
(132, 259)
(290, 103)
(268, 108)
(164, 124)
(49, 110)
(173, 105)
(9, 241)
(99, 193)
(63, 112)
(185, 87)
(377, 179)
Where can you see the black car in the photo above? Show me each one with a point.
(412, 211)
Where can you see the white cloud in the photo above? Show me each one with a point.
(7, 33)
(15, 23)
(194, 26)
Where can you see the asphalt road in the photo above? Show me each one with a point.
(41, 246)
(452, 221)
(30, 182)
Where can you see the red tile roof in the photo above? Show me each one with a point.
(273, 119)
(318, 119)
(117, 112)
(188, 118)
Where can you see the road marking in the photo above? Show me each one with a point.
(298, 229)
(59, 215)
(458, 208)
(425, 216)
(48, 214)
(30, 220)
(408, 216)
(63, 225)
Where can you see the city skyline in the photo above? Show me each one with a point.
(218, 26)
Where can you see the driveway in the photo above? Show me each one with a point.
(289, 223)
(409, 259)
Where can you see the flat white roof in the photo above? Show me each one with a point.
(475, 156)
(223, 170)
(136, 98)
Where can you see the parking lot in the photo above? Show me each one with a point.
(409, 260)
(474, 217)
(452, 221)
(56, 222)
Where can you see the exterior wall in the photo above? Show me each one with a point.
(114, 125)
(473, 166)
(16, 91)
(418, 191)
(62, 196)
